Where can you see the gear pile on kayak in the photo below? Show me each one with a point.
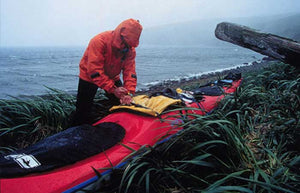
(64, 162)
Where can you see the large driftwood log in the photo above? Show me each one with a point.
(283, 49)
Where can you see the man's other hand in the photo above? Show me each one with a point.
(120, 92)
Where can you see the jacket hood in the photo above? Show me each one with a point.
(130, 30)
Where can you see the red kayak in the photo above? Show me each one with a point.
(140, 130)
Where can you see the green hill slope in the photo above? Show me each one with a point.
(202, 31)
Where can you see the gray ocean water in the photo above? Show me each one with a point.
(30, 70)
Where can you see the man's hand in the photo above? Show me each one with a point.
(120, 92)
(126, 100)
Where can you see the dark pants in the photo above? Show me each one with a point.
(85, 98)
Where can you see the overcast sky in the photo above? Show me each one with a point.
(74, 22)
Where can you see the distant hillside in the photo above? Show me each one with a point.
(187, 33)
(286, 26)
(202, 31)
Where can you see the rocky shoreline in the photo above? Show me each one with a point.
(206, 78)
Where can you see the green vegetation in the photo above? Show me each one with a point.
(25, 121)
(249, 144)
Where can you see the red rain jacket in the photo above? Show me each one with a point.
(103, 60)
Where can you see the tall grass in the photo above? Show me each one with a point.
(249, 144)
(25, 121)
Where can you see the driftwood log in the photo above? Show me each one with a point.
(283, 49)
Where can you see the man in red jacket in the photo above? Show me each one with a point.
(107, 55)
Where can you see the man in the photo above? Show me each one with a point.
(107, 55)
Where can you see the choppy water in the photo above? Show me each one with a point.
(28, 71)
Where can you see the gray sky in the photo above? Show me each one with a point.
(75, 22)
